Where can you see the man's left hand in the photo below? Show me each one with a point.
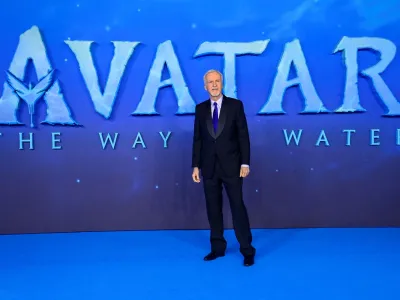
(244, 171)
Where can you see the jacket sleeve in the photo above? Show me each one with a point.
(196, 141)
(244, 138)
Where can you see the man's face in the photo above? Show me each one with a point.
(213, 84)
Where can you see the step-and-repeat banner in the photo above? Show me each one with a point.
(97, 103)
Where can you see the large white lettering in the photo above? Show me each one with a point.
(31, 47)
(293, 54)
(103, 102)
(387, 51)
(165, 56)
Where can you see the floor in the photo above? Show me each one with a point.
(293, 264)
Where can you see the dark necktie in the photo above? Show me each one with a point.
(215, 117)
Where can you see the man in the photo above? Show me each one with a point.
(221, 150)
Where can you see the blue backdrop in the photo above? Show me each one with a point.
(97, 105)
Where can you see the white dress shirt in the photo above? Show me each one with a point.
(219, 104)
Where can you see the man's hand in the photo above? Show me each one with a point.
(244, 171)
(196, 175)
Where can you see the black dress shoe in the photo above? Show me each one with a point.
(248, 261)
(212, 256)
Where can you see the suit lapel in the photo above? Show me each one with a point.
(210, 126)
(222, 116)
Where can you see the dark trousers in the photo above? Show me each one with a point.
(213, 193)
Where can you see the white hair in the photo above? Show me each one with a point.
(212, 71)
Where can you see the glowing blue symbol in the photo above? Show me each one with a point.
(30, 94)
(78, 180)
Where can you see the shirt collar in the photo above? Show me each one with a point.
(219, 101)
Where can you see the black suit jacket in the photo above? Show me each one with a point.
(230, 144)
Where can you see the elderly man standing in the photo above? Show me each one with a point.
(221, 152)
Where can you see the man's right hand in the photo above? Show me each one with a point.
(196, 175)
